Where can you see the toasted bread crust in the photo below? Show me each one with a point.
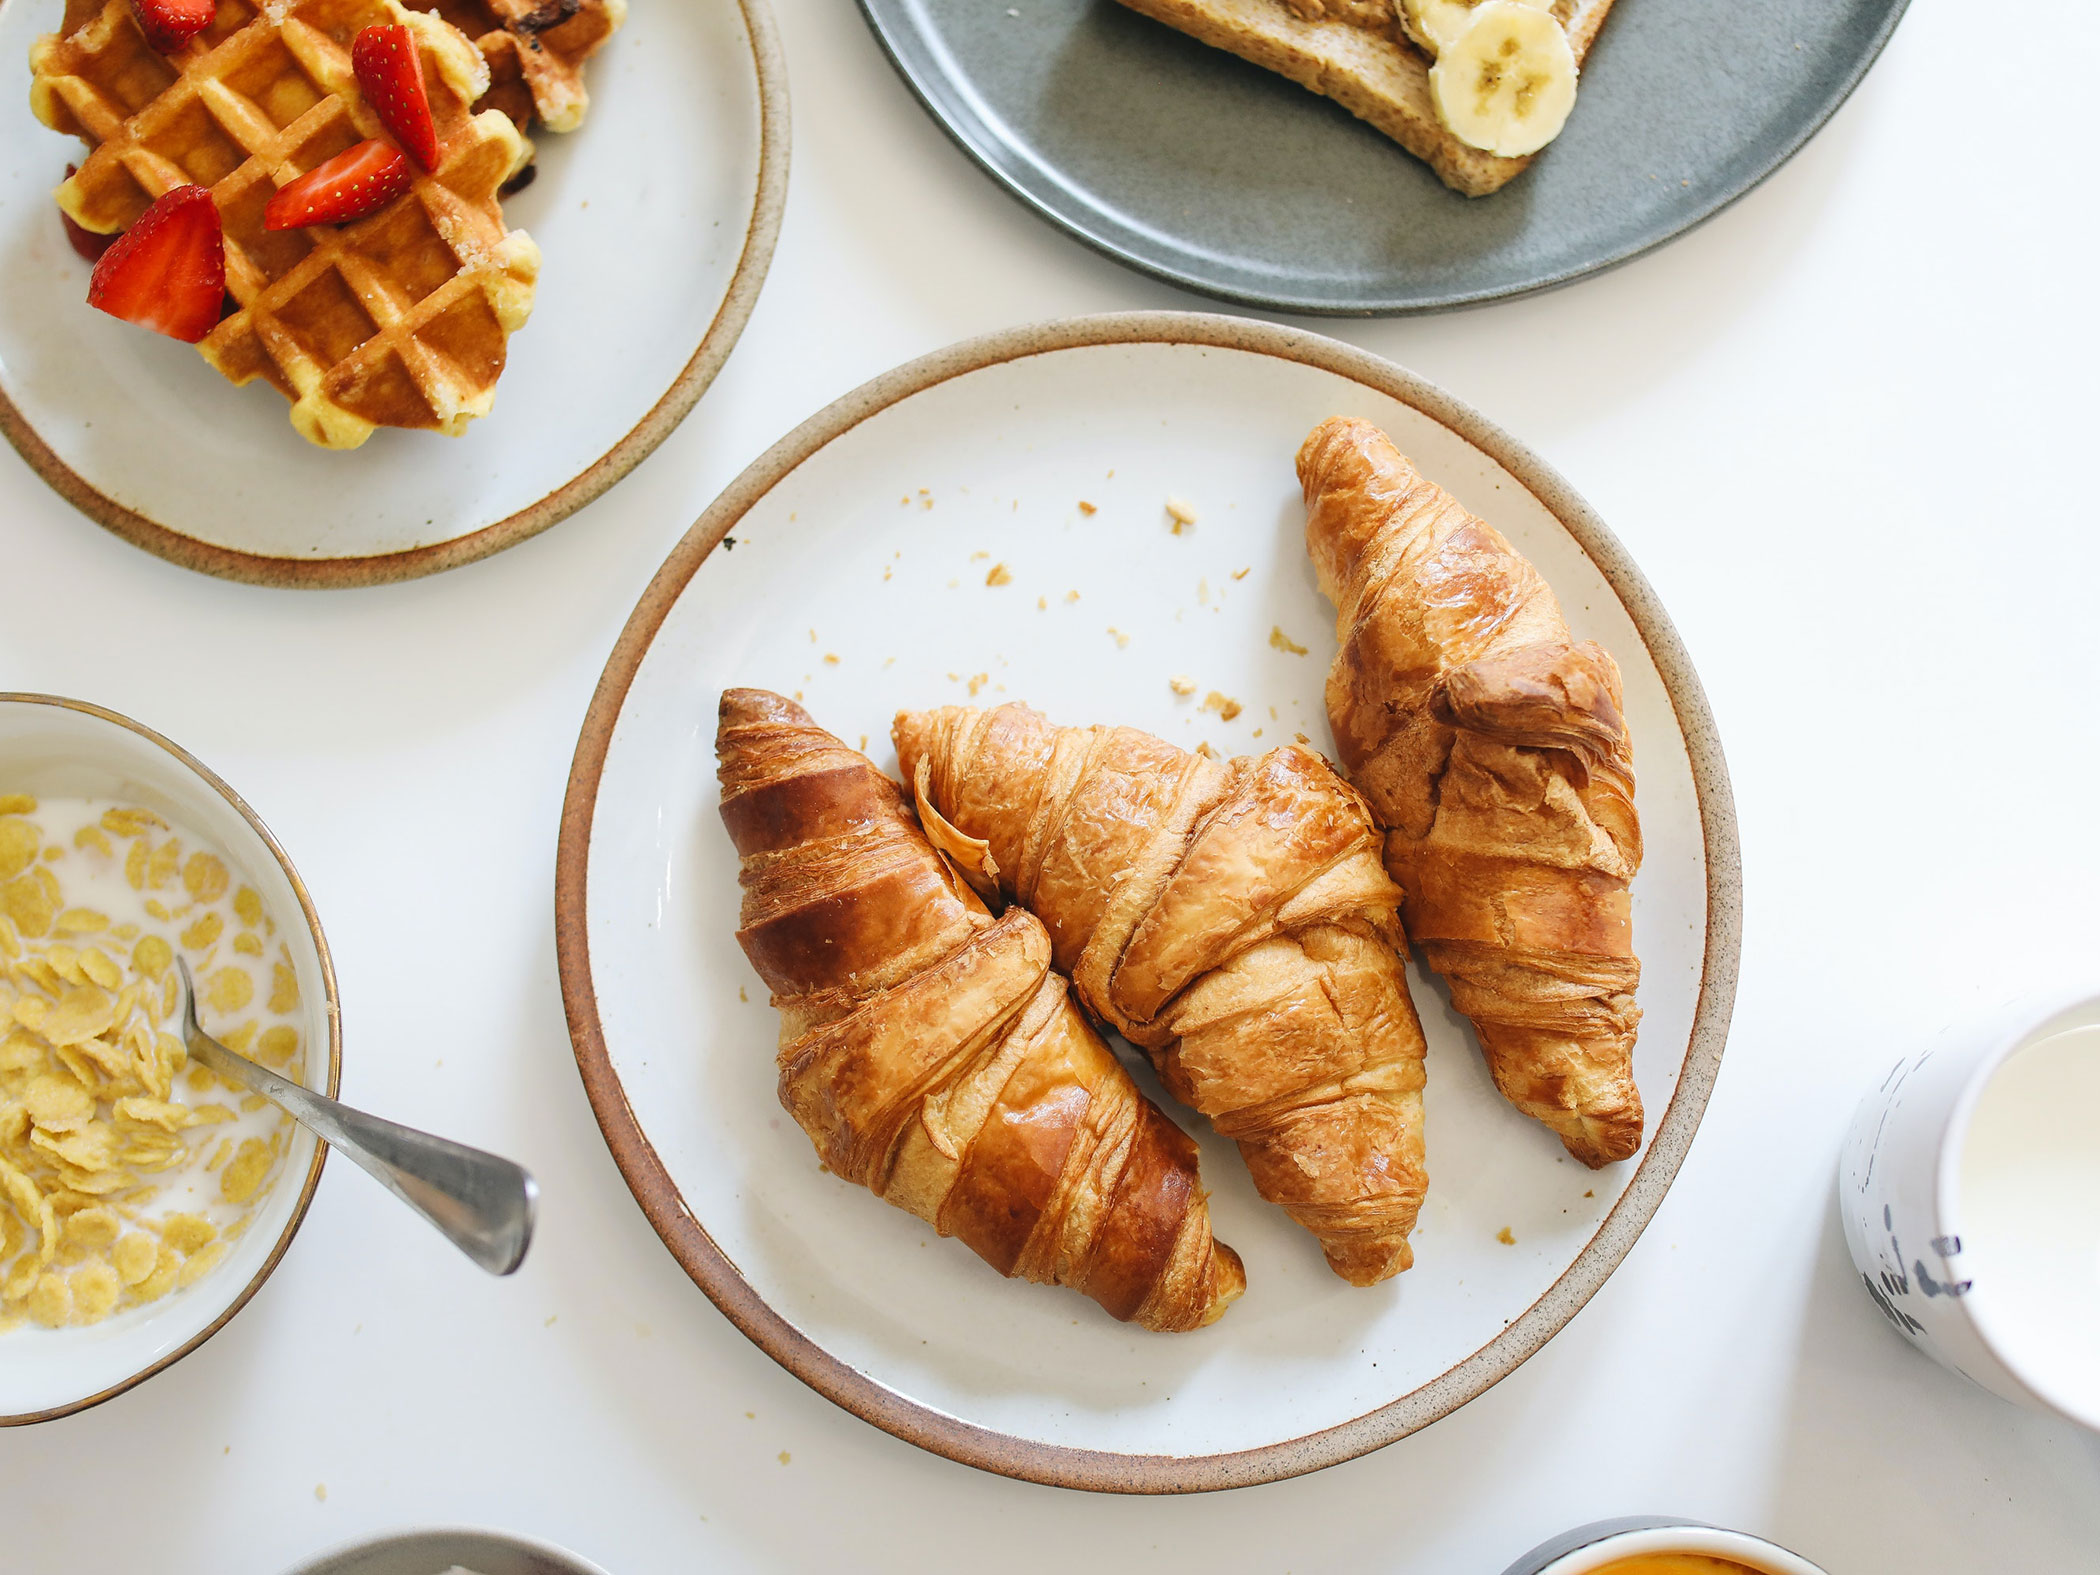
(1374, 75)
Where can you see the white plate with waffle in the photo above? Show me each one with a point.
(654, 221)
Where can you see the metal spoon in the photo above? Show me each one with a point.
(482, 1202)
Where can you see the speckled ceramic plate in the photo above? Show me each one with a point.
(1189, 163)
(856, 565)
(655, 221)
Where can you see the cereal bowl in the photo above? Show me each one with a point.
(141, 1202)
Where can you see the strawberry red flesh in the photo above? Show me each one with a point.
(168, 271)
(169, 24)
(86, 242)
(391, 74)
(352, 184)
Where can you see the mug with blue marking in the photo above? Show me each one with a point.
(1970, 1191)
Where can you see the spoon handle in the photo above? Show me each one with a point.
(484, 1203)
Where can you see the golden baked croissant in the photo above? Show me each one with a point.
(1493, 747)
(1232, 918)
(930, 1053)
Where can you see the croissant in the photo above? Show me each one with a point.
(1230, 917)
(932, 1055)
(1493, 747)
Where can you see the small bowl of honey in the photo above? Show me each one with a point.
(1659, 1545)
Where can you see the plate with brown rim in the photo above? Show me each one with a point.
(923, 540)
(655, 221)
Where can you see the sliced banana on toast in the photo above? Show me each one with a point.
(1506, 81)
(1435, 23)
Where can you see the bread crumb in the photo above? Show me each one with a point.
(977, 682)
(864, 743)
(785, 1457)
(1000, 575)
(1241, 574)
(320, 1492)
(976, 556)
(1591, 1193)
(953, 583)
(885, 571)
(741, 996)
(1503, 1235)
(812, 637)
(1226, 707)
(831, 658)
(1301, 738)
(1283, 642)
(1087, 508)
(1182, 684)
(1203, 592)
(1041, 602)
(1071, 596)
(1121, 638)
(1182, 513)
(1256, 733)
(1206, 751)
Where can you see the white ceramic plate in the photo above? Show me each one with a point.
(66, 748)
(849, 567)
(655, 222)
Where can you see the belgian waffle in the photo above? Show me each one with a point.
(400, 319)
(536, 50)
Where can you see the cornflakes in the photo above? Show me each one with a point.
(106, 1200)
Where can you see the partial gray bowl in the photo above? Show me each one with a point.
(436, 1550)
(1194, 166)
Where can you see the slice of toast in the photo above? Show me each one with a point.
(1372, 72)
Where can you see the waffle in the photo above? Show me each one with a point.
(536, 50)
(401, 319)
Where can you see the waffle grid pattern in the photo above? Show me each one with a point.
(400, 319)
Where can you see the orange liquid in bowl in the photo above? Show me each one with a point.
(1674, 1564)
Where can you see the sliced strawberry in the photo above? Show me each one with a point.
(169, 24)
(391, 74)
(86, 242)
(168, 271)
(352, 184)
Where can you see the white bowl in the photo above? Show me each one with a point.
(68, 748)
(1605, 1542)
(436, 1550)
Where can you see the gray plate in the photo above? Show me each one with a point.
(1188, 163)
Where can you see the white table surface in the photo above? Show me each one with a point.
(1841, 427)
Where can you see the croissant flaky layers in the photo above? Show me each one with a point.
(1493, 747)
(930, 1052)
(1231, 917)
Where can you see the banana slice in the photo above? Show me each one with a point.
(1434, 23)
(1505, 84)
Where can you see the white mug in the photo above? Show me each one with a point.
(1970, 1191)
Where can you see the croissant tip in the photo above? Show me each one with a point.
(742, 707)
